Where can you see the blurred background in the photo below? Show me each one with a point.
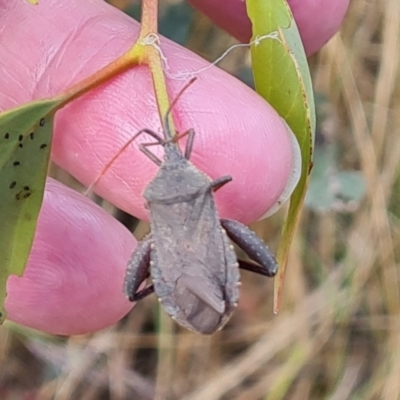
(337, 336)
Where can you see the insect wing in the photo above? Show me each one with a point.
(194, 267)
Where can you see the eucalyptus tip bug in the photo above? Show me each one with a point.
(194, 268)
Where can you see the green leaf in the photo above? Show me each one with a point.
(282, 77)
(25, 145)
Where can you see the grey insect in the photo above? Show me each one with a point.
(193, 265)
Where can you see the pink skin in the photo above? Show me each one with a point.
(73, 281)
(317, 20)
(74, 278)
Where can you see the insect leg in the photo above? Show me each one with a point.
(148, 153)
(108, 165)
(145, 150)
(189, 144)
(143, 293)
(138, 271)
(153, 134)
(253, 246)
(249, 266)
(218, 183)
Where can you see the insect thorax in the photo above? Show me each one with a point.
(177, 181)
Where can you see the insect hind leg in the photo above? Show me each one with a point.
(143, 293)
(253, 246)
(249, 266)
(138, 271)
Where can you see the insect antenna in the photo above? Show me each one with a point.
(167, 127)
(167, 134)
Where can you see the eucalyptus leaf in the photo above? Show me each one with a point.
(25, 145)
(282, 77)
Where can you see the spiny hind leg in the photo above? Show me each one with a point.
(232, 282)
(138, 271)
(253, 246)
(252, 267)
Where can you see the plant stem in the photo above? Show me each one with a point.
(149, 26)
(149, 21)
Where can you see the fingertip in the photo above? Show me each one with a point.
(74, 276)
(317, 21)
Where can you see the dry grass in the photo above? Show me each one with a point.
(338, 334)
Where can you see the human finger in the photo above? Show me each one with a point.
(317, 20)
(73, 281)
